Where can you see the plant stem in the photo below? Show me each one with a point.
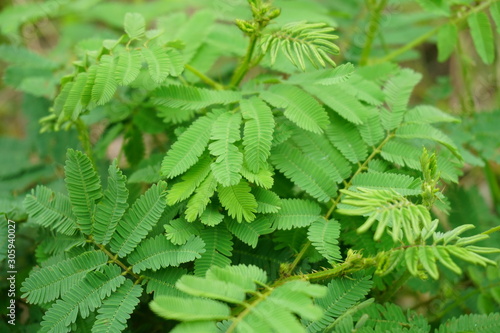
(466, 101)
(115, 260)
(204, 78)
(424, 37)
(395, 286)
(83, 136)
(244, 66)
(372, 30)
(335, 202)
(493, 183)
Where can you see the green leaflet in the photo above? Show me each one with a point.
(51, 282)
(154, 253)
(324, 77)
(346, 138)
(116, 309)
(225, 132)
(342, 294)
(218, 249)
(110, 210)
(84, 188)
(339, 100)
(186, 151)
(73, 105)
(299, 107)
(320, 150)
(179, 231)
(249, 233)
(238, 201)
(134, 25)
(51, 210)
(158, 62)
(139, 220)
(372, 131)
(324, 236)
(304, 172)
(193, 98)
(104, 85)
(258, 132)
(425, 131)
(189, 309)
(495, 14)
(190, 181)
(83, 298)
(128, 67)
(267, 201)
(472, 323)
(199, 201)
(482, 36)
(162, 281)
(398, 90)
(447, 39)
(295, 213)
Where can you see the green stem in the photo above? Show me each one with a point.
(493, 183)
(83, 136)
(372, 31)
(467, 99)
(395, 286)
(335, 202)
(204, 78)
(116, 261)
(421, 39)
(244, 66)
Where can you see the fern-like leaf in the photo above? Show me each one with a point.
(190, 181)
(238, 201)
(199, 201)
(324, 236)
(189, 309)
(398, 90)
(303, 171)
(342, 294)
(258, 132)
(128, 67)
(105, 85)
(193, 98)
(249, 233)
(179, 231)
(84, 188)
(225, 132)
(139, 220)
(83, 298)
(186, 151)
(346, 138)
(111, 208)
(134, 25)
(320, 150)
(51, 210)
(158, 252)
(485, 323)
(158, 62)
(51, 282)
(346, 105)
(162, 281)
(295, 213)
(300, 40)
(116, 309)
(300, 107)
(218, 248)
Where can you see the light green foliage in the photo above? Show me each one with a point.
(302, 196)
